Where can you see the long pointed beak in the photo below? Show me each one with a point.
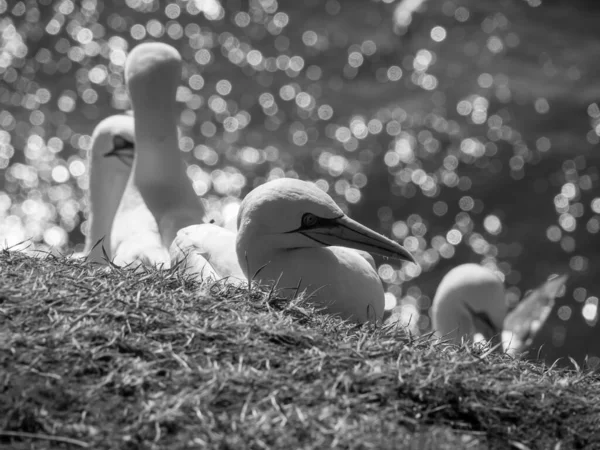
(346, 232)
(553, 286)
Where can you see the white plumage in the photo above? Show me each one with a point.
(470, 303)
(152, 73)
(118, 214)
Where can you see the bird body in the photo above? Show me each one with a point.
(134, 235)
(196, 246)
(337, 279)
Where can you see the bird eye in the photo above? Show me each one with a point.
(309, 220)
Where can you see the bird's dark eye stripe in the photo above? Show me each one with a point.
(482, 316)
(120, 142)
(316, 222)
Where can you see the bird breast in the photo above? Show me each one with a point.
(338, 279)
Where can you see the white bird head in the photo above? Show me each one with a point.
(152, 74)
(469, 300)
(288, 214)
(113, 144)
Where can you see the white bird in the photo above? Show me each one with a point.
(117, 212)
(207, 250)
(470, 302)
(293, 234)
(152, 74)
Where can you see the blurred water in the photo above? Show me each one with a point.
(466, 129)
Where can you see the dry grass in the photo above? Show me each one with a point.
(101, 358)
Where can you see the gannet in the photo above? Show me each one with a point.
(470, 302)
(152, 74)
(293, 234)
(117, 212)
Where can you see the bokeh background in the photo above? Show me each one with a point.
(469, 130)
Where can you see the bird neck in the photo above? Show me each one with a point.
(157, 157)
(254, 253)
(265, 253)
(105, 193)
(160, 173)
(452, 321)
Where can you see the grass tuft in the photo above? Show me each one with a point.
(104, 357)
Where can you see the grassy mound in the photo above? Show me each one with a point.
(107, 358)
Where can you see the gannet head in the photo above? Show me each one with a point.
(152, 74)
(469, 300)
(113, 144)
(288, 214)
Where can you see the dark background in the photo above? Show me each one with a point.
(498, 120)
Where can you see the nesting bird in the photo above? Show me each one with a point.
(470, 302)
(117, 211)
(207, 250)
(293, 234)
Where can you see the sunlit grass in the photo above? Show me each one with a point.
(106, 358)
